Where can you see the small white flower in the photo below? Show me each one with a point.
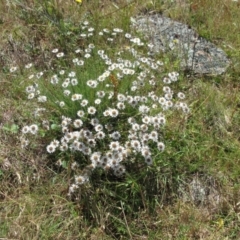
(29, 65)
(113, 113)
(74, 82)
(92, 110)
(100, 94)
(87, 55)
(91, 142)
(135, 144)
(120, 105)
(78, 50)
(97, 101)
(55, 50)
(128, 35)
(84, 102)
(33, 129)
(80, 63)
(83, 35)
(65, 84)
(94, 121)
(143, 109)
(54, 79)
(42, 99)
(96, 156)
(161, 146)
(55, 143)
(59, 55)
(24, 142)
(72, 74)
(62, 72)
(91, 29)
(121, 97)
(75, 60)
(106, 30)
(100, 135)
(31, 96)
(167, 89)
(115, 135)
(80, 113)
(131, 120)
(167, 80)
(146, 120)
(168, 96)
(75, 97)
(51, 148)
(114, 145)
(92, 83)
(181, 95)
(31, 76)
(25, 129)
(148, 160)
(98, 127)
(173, 76)
(79, 180)
(135, 127)
(78, 123)
(144, 127)
(13, 69)
(66, 92)
(91, 46)
(162, 100)
(154, 136)
(117, 30)
(30, 89)
(145, 152)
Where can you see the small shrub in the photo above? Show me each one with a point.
(102, 106)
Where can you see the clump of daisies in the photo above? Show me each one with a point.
(111, 112)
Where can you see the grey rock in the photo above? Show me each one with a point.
(195, 53)
(201, 190)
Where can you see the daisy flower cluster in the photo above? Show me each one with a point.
(113, 104)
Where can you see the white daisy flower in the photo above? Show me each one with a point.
(59, 55)
(25, 129)
(80, 113)
(113, 113)
(115, 135)
(98, 127)
(181, 95)
(84, 102)
(55, 50)
(100, 135)
(161, 146)
(78, 123)
(51, 148)
(31, 96)
(114, 145)
(33, 129)
(74, 82)
(66, 92)
(92, 110)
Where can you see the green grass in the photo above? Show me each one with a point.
(148, 203)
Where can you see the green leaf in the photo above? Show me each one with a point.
(13, 128)
(54, 126)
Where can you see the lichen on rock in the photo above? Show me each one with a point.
(194, 52)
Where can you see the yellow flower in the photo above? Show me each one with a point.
(78, 1)
(220, 223)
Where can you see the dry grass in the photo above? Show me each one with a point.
(33, 192)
